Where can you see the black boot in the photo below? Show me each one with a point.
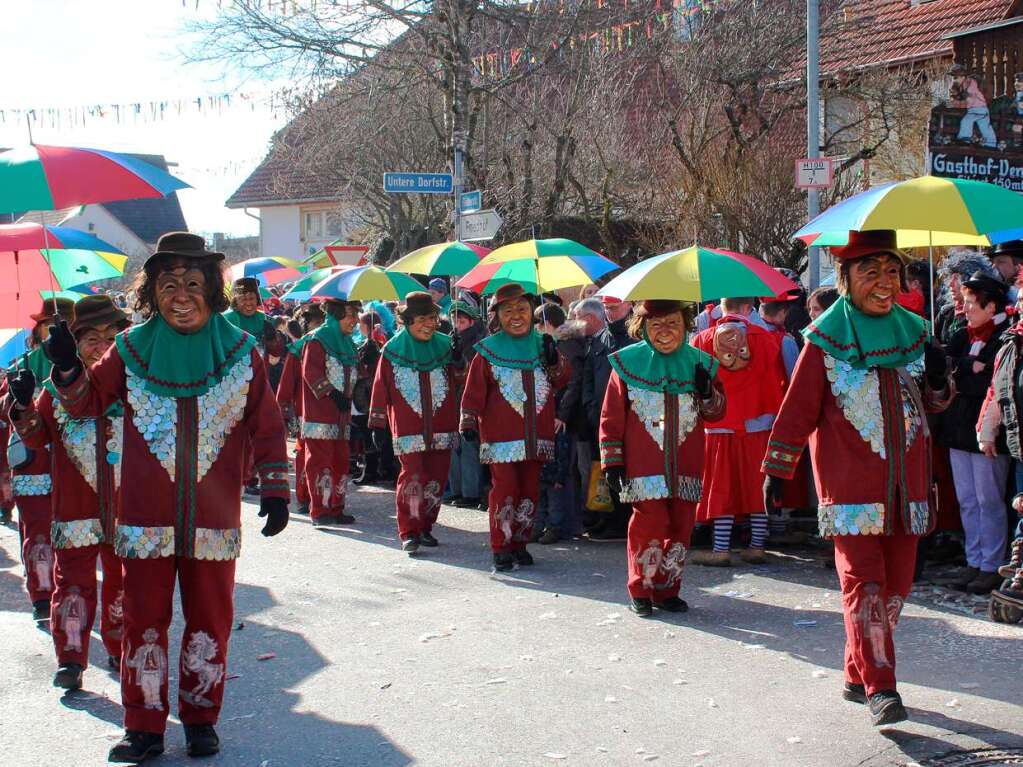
(854, 693)
(886, 708)
(503, 562)
(964, 578)
(427, 539)
(41, 610)
(201, 740)
(672, 605)
(642, 606)
(69, 676)
(523, 558)
(135, 747)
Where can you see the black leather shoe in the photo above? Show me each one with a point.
(503, 562)
(673, 605)
(135, 747)
(427, 539)
(69, 676)
(345, 519)
(41, 610)
(607, 534)
(984, 583)
(886, 708)
(642, 606)
(963, 579)
(523, 558)
(326, 520)
(854, 693)
(411, 544)
(201, 740)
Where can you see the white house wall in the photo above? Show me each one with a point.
(280, 232)
(97, 221)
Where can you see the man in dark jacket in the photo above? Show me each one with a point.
(618, 313)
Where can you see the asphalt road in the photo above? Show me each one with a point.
(382, 660)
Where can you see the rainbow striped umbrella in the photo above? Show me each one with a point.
(36, 257)
(365, 283)
(925, 211)
(539, 266)
(54, 177)
(300, 290)
(269, 271)
(443, 259)
(697, 274)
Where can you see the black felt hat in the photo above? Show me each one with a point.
(183, 245)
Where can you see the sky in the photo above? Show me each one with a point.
(74, 53)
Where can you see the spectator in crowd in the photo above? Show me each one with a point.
(960, 265)
(980, 466)
(711, 316)
(774, 312)
(439, 291)
(820, 301)
(587, 291)
(465, 477)
(1007, 258)
(918, 280)
(618, 313)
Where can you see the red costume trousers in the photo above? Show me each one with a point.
(876, 574)
(659, 535)
(73, 610)
(513, 495)
(207, 601)
(34, 514)
(301, 488)
(419, 490)
(326, 473)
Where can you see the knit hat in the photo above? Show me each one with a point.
(463, 307)
(439, 285)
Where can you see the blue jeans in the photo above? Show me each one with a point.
(981, 117)
(552, 508)
(465, 475)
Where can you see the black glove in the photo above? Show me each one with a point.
(615, 477)
(703, 382)
(379, 437)
(935, 366)
(456, 347)
(276, 512)
(344, 404)
(61, 349)
(772, 493)
(550, 350)
(23, 387)
(470, 434)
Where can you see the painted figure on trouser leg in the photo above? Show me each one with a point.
(195, 398)
(508, 405)
(856, 399)
(413, 405)
(660, 393)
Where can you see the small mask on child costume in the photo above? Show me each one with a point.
(730, 346)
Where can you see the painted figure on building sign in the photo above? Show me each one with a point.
(966, 93)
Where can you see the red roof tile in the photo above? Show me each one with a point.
(887, 32)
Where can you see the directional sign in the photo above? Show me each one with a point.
(482, 225)
(418, 183)
(471, 201)
(814, 174)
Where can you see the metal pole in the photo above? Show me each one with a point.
(813, 111)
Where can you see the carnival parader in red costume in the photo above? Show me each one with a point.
(855, 398)
(660, 393)
(195, 394)
(508, 405)
(86, 473)
(414, 397)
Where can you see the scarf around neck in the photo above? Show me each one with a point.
(338, 345)
(518, 353)
(173, 364)
(251, 324)
(890, 341)
(641, 366)
(407, 352)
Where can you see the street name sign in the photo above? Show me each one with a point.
(817, 173)
(482, 225)
(418, 183)
(471, 202)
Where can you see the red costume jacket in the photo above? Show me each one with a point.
(183, 458)
(512, 409)
(421, 409)
(658, 438)
(289, 387)
(86, 469)
(868, 440)
(322, 374)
